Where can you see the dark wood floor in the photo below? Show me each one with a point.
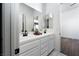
(70, 46)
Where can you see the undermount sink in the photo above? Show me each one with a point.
(37, 33)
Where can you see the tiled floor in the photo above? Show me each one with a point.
(56, 53)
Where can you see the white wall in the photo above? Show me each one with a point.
(54, 8)
(36, 6)
(70, 23)
(28, 12)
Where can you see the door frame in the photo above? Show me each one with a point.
(10, 29)
(6, 29)
(14, 28)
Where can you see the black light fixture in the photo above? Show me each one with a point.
(25, 31)
(22, 23)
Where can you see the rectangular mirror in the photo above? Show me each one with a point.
(30, 18)
(27, 18)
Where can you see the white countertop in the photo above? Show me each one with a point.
(31, 37)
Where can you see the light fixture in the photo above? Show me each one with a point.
(50, 16)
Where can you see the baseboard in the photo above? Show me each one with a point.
(68, 38)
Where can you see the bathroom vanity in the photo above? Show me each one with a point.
(36, 45)
(19, 18)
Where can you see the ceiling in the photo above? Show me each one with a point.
(68, 6)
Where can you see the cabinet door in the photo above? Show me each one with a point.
(50, 44)
(44, 46)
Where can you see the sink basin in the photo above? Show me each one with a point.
(37, 33)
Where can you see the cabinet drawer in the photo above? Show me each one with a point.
(28, 46)
(31, 52)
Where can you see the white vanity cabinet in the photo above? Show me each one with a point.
(44, 46)
(39, 46)
(30, 49)
(51, 43)
(47, 45)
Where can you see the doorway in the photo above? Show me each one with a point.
(0, 29)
